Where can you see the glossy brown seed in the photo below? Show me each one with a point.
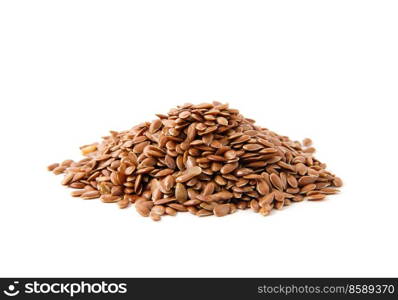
(207, 139)
(164, 172)
(189, 174)
(329, 191)
(216, 158)
(191, 132)
(307, 142)
(158, 209)
(266, 200)
(279, 196)
(88, 149)
(77, 185)
(338, 182)
(243, 172)
(91, 195)
(123, 203)
(312, 172)
(307, 180)
(220, 180)
(241, 182)
(104, 188)
(241, 139)
(301, 169)
(298, 198)
(307, 188)
(292, 181)
(164, 201)
(209, 188)
(254, 205)
(168, 183)
(193, 210)
(192, 202)
(78, 176)
(204, 213)
(116, 191)
(279, 204)
(322, 185)
(170, 211)
(262, 187)
(184, 114)
(52, 167)
(222, 121)
(155, 217)
(265, 211)
(276, 181)
(221, 210)
(252, 147)
(223, 195)
(177, 206)
(269, 151)
(68, 178)
(257, 164)
(110, 199)
(181, 194)
(155, 126)
(292, 190)
(316, 197)
(59, 170)
(132, 198)
(309, 150)
(231, 154)
(232, 208)
(170, 162)
(242, 205)
(77, 193)
(142, 209)
(228, 168)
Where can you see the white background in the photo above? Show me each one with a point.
(72, 70)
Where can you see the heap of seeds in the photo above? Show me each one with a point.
(206, 159)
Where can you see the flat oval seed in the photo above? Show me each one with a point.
(292, 181)
(276, 181)
(158, 209)
(316, 197)
(142, 209)
(262, 187)
(252, 147)
(91, 195)
(155, 126)
(181, 192)
(307, 188)
(52, 166)
(170, 211)
(155, 217)
(337, 182)
(222, 121)
(230, 154)
(307, 180)
(228, 168)
(221, 210)
(184, 115)
(189, 174)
